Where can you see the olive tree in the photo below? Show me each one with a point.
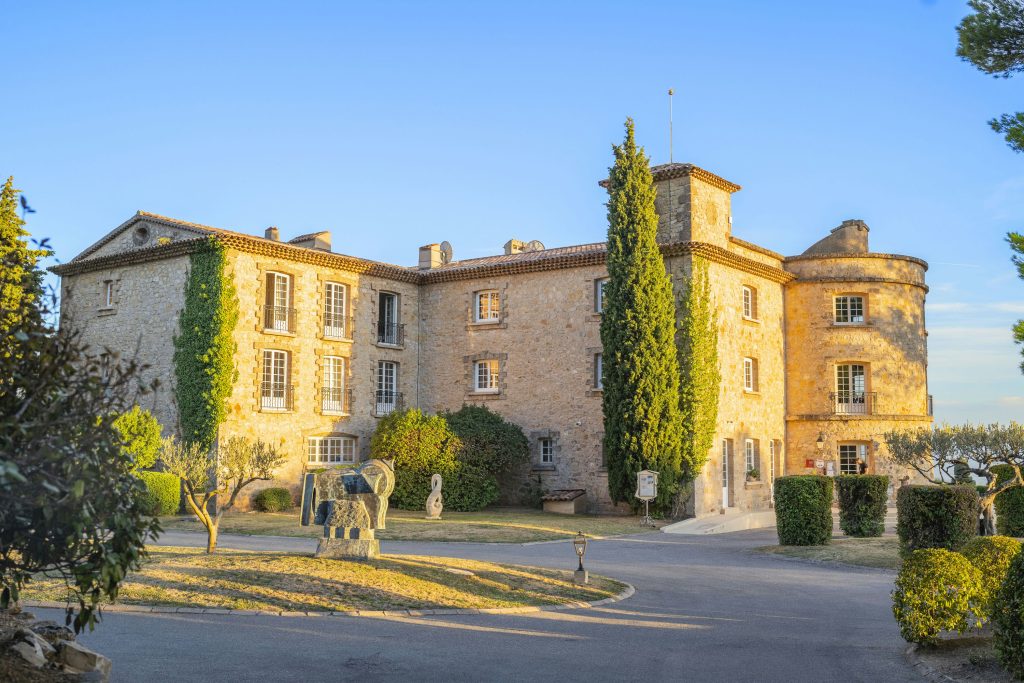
(955, 453)
(214, 478)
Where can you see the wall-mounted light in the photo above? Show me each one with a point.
(820, 443)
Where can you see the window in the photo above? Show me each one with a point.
(752, 455)
(486, 375)
(275, 392)
(277, 311)
(388, 329)
(333, 390)
(330, 450)
(850, 455)
(850, 396)
(488, 306)
(599, 286)
(749, 303)
(387, 396)
(335, 300)
(750, 375)
(547, 451)
(108, 294)
(849, 309)
(599, 371)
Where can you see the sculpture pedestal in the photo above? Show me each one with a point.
(581, 576)
(360, 545)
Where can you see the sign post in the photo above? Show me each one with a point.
(646, 490)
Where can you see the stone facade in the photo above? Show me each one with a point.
(519, 332)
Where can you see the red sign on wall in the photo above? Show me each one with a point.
(809, 462)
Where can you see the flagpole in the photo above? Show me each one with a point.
(671, 92)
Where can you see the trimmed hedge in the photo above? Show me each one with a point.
(936, 517)
(936, 590)
(862, 499)
(1008, 619)
(992, 556)
(803, 509)
(274, 499)
(163, 492)
(1009, 505)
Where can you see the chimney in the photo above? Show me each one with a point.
(314, 240)
(272, 233)
(430, 256)
(514, 246)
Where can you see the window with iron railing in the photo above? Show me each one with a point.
(278, 315)
(336, 322)
(387, 399)
(850, 396)
(275, 390)
(332, 393)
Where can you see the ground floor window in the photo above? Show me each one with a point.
(851, 455)
(332, 450)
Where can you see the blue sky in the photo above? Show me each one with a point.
(394, 124)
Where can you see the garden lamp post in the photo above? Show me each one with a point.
(579, 544)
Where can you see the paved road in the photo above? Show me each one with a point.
(706, 609)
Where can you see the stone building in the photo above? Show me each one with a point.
(820, 353)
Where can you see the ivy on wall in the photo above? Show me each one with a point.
(204, 349)
(700, 376)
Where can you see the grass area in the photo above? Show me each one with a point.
(966, 658)
(881, 552)
(188, 577)
(488, 526)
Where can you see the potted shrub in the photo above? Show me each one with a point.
(753, 474)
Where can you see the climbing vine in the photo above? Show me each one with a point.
(699, 374)
(204, 349)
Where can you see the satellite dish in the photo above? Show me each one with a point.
(446, 252)
(535, 245)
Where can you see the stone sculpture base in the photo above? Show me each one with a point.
(581, 576)
(348, 548)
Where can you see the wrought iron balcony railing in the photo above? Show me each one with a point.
(853, 402)
(387, 402)
(338, 326)
(275, 396)
(392, 334)
(335, 400)
(279, 318)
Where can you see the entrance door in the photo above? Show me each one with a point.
(726, 457)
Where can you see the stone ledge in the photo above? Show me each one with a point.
(626, 593)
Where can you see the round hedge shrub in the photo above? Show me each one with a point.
(1008, 619)
(862, 499)
(274, 499)
(1009, 505)
(992, 556)
(936, 590)
(803, 509)
(936, 517)
(489, 441)
(163, 492)
(469, 489)
(420, 445)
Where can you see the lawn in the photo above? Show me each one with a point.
(881, 552)
(488, 526)
(188, 577)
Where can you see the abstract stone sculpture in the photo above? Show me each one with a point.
(434, 505)
(351, 504)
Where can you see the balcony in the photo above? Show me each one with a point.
(335, 400)
(275, 397)
(387, 402)
(853, 402)
(338, 327)
(392, 334)
(279, 319)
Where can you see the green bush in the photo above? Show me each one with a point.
(1009, 505)
(469, 489)
(140, 435)
(1008, 619)
(803, 509)
(862, 499)
(936, 517)
(163, 492)
(489, 441)
(274, 499)
(936, 590)
(992, 556)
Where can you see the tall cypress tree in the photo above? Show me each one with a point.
(642, 427)
(20, 280)
(699, 373)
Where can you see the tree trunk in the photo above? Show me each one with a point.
(988, 520)
(211, 541)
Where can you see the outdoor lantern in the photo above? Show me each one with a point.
(820, 443)
(579, 544)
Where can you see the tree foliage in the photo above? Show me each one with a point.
(140, 437)
(1016, 241)
(69, 504)
(946, 453)
(700, 376)
(992, 39)
(489, 441)
(20, 280)
(204, 349)
(209, 475)
(420, 445)
(642, 425)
